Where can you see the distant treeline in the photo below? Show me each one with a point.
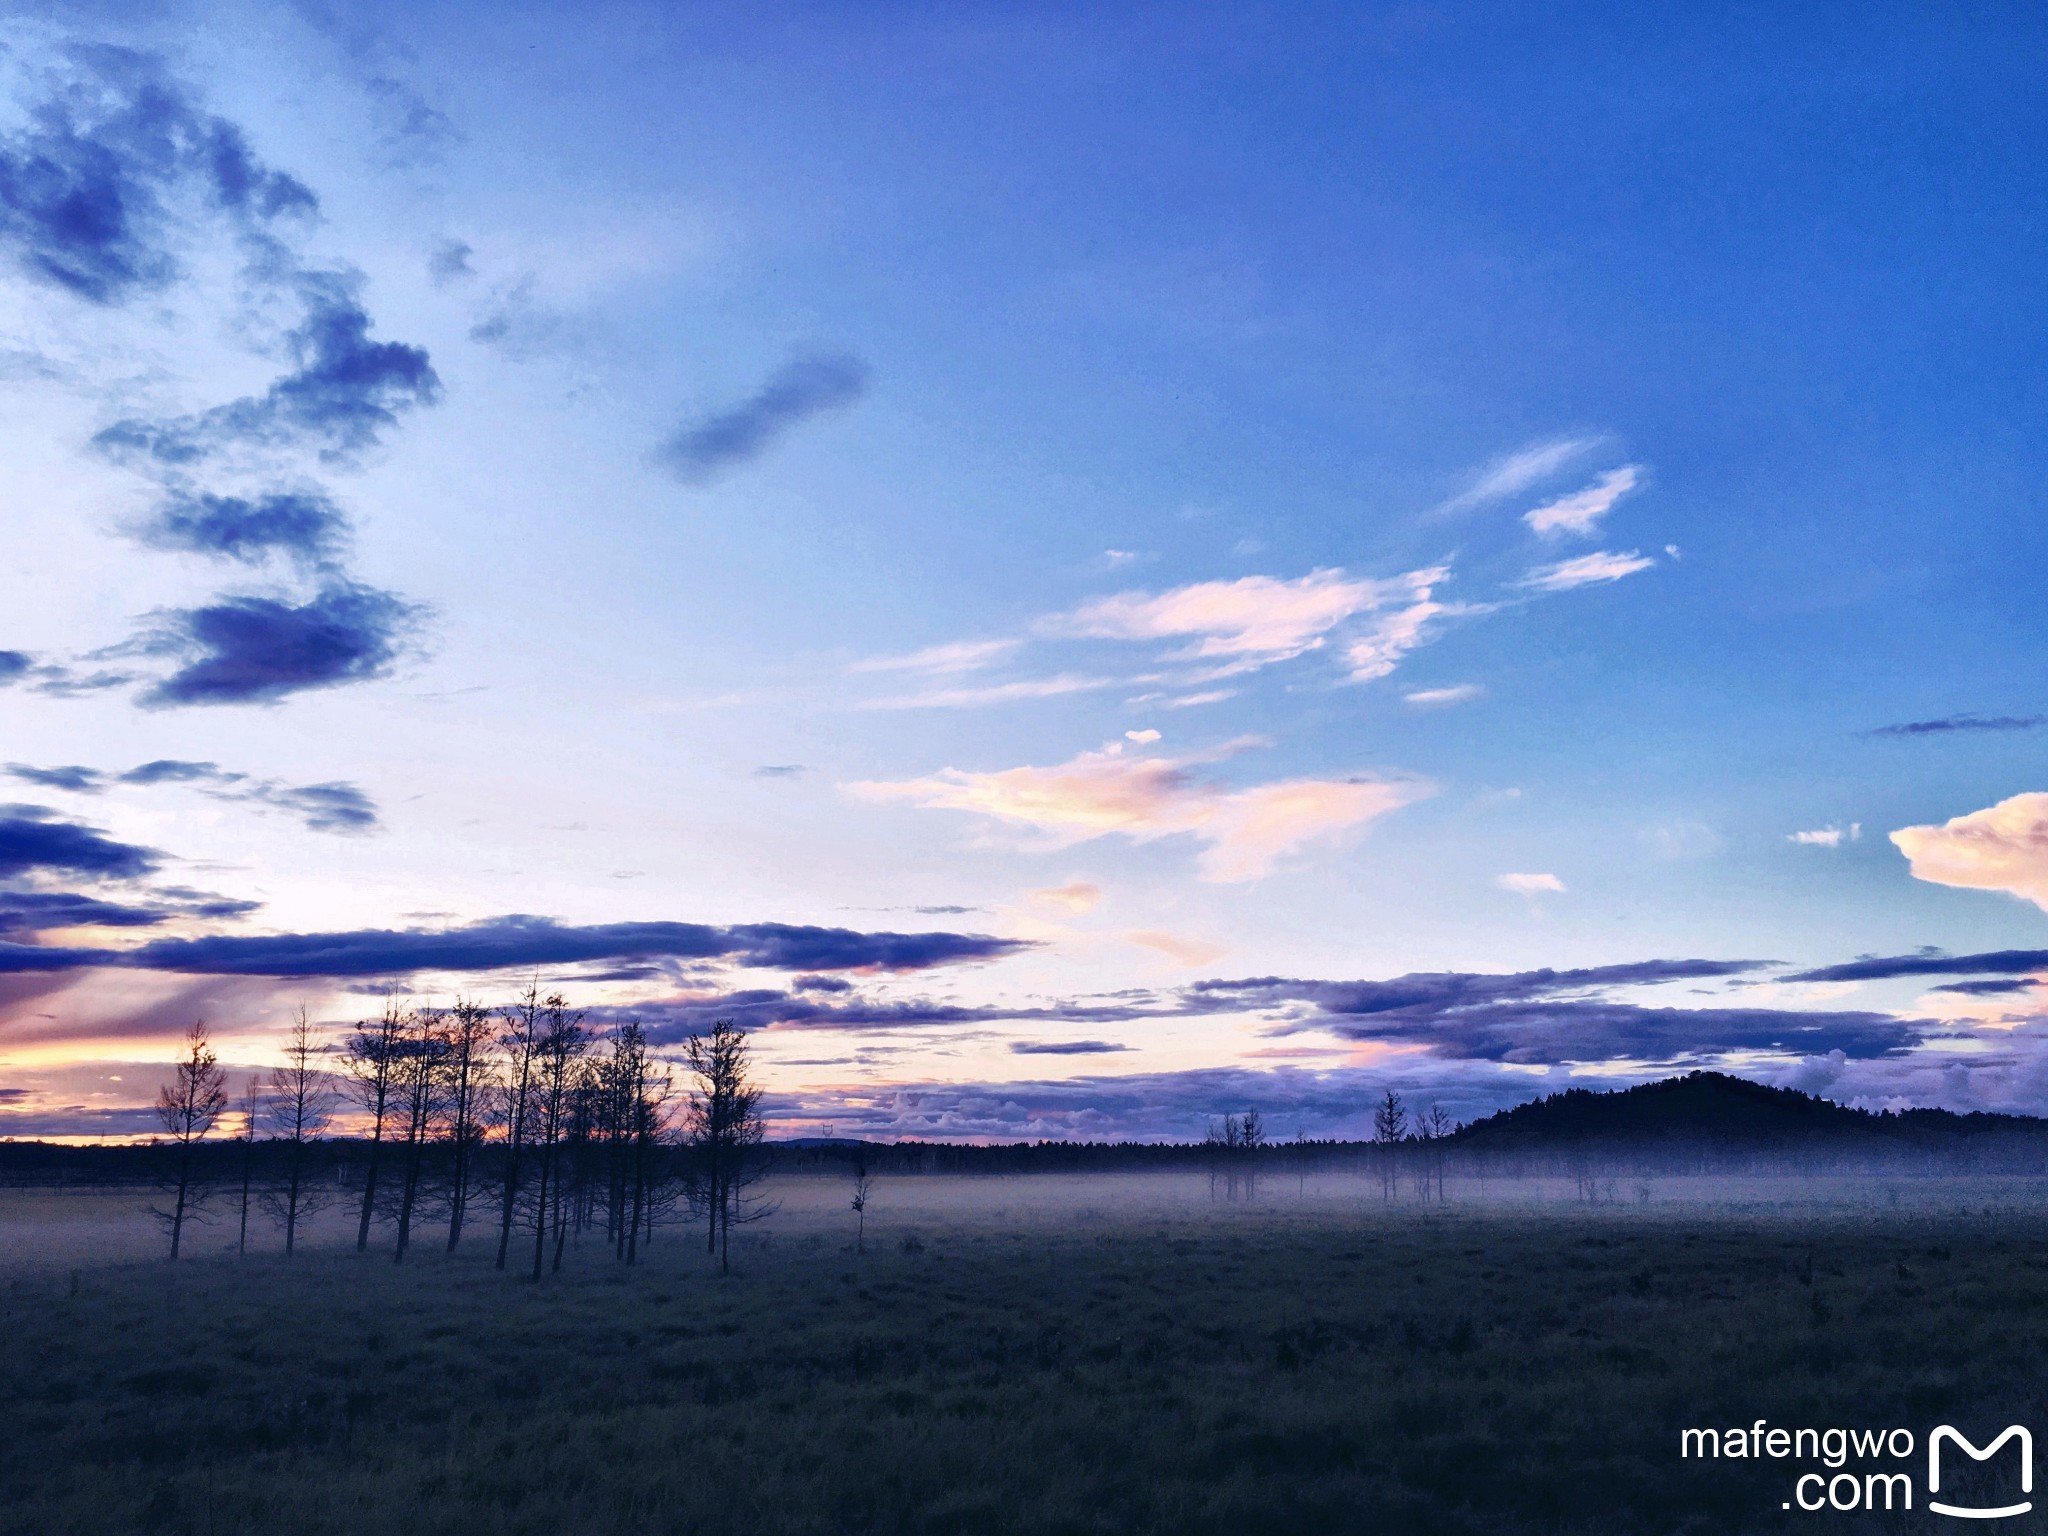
(1694, 1125)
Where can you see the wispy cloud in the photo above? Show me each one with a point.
(1146, 797)
(1393, 635)
(334, 806)
(449, 262)
(1076, 897)
(75, 777)
(1518, 471)
(1254, 621)
(1530, 884)
(1948, 724)
(1442, 698)
(304, 526)
(1829, 836)
(1580, 512)
(1257, 619)
(941, 660)
(342, 394)
(94, 184)
(994, 693)
(2002, 848)
(810, 386)
(1602, 565)
(1179, 948)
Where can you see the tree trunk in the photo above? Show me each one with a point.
(370, 1187)
(407, 1197)
(291, 1201)
(248, 1157)
(178, 1211)
(458, 1199)
(540, 1213)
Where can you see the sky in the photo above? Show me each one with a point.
(1075, 569)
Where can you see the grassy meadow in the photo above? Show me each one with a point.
(1068, 1354)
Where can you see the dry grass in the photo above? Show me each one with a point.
(1061, 1355)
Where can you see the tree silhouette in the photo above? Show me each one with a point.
(371, 1056)
(466, 1061)
(301, 1104)
(863, 1182)
(725, 1130)
(189, 1105)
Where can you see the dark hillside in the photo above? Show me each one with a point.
(1713, 1107)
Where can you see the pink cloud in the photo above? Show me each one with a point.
(1252, 621)
(2002, 848)
(1146, 797)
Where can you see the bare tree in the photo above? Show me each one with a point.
(189, 1105)
(1435, 1127)
(251, 1103)
(518, 1040)
(466, 1039)
(301, 1105)
(863, 1182)
(631, 1117)
(1389, 1128)
(725, 1129)
(650, 1137)
(416, 1083)
(371, 1056)
(1251, 1133)
(1224, 1141)
(561, 1044)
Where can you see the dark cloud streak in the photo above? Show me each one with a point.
(303, 525)
(2001, 962)
(520, 942)
(1952, 723)
(343, 393)
(807, 387)
(247, 649)
(32, 838)
(87, 190)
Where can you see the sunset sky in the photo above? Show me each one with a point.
(1075, 568)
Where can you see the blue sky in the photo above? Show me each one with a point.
(1101, 529)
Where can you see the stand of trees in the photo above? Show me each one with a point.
(574, 1131)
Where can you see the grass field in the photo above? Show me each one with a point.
(1047, 1355)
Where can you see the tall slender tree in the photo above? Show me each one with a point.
(250, 1105)
(416, 1081)
(189, 1105)
(557, 1053)
(301, 1105)
(466, 1035)
(1436, 1128)
(726, 1129)
(650, 1110)
(517, 1043)
(372, 1056)
(1389, 1128)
